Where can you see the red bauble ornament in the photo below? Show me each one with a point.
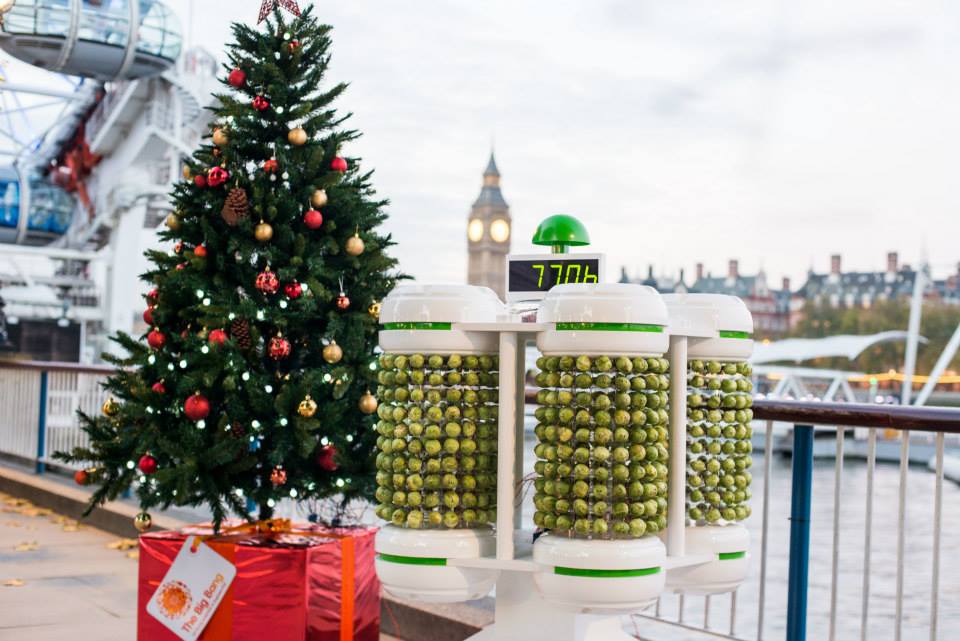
(80, 477)
(200, 180)
(278, 476)
(200, 251)
(156, 339)
(217, 176)
(237, 78)
(343, 303)
(271, 166)
(148, 316)
(147, 464)
(313, 219)
(178, 247)
(293, 290)
(153, 295)
(326, 458)
(294, 45)
(279, 348)
(217, 337)
(159, 387)
(196, 407)
(339, 164)
(181, 267)
(267, 282)
(261, 104)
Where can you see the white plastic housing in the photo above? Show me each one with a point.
(614, 303)
(605, 593)
(704, 318)
(440, 304)
(434, 583)
(721, 574)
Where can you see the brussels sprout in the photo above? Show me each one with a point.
(603, 381)
(581, 489)
(583, 381)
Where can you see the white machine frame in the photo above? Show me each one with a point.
(521, 613)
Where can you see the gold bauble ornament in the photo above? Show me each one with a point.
(6, 5)
(142, 522)
(374, 310)
(332, 353)
(297, 136)
(308, 407)
(263, 232)
(186, 173)
(368, 403)
(355, 245)
(110, 407)
(319, 198)
(173, 222)
(220, 137)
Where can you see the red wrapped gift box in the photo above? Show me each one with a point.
(312, 584)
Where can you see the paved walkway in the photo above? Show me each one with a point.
(60, 580)
(63, 581)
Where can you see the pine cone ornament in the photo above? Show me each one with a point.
(240, 333)
(236, 207)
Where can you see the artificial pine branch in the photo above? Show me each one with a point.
(253, 424)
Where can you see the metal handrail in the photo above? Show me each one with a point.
(52, 366)
(897, 417)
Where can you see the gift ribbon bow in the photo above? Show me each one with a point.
(272, 530)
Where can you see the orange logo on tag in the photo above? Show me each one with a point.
(174, 599)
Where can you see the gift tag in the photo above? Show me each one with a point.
(192, 589)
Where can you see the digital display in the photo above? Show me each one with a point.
(542, 274)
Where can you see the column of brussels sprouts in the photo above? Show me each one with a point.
(718, 441)
(602, 451)
(437, 449)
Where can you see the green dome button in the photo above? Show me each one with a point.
(560, 232)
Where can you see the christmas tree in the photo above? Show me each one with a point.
(253, 382)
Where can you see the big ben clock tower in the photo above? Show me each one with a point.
(488, 234)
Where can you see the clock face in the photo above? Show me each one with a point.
(475, 230)
(500, 231)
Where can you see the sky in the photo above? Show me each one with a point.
(680, 132)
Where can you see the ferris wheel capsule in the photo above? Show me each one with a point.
(120, 40)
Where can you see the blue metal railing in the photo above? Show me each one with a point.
(802, 487)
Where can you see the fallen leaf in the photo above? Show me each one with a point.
(123, 544)
(36, 511)
(135, 554)
(27, 546)
(14, 583)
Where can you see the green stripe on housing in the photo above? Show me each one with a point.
(412, 560)
(605, 574)
(728, 556)
(729, 333)
(440, 326)
(609, 327)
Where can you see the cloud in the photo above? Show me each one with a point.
(681, 132)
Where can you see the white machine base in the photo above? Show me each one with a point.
(590, 580)
(728, 545)
(400, 553)
(523, 615)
